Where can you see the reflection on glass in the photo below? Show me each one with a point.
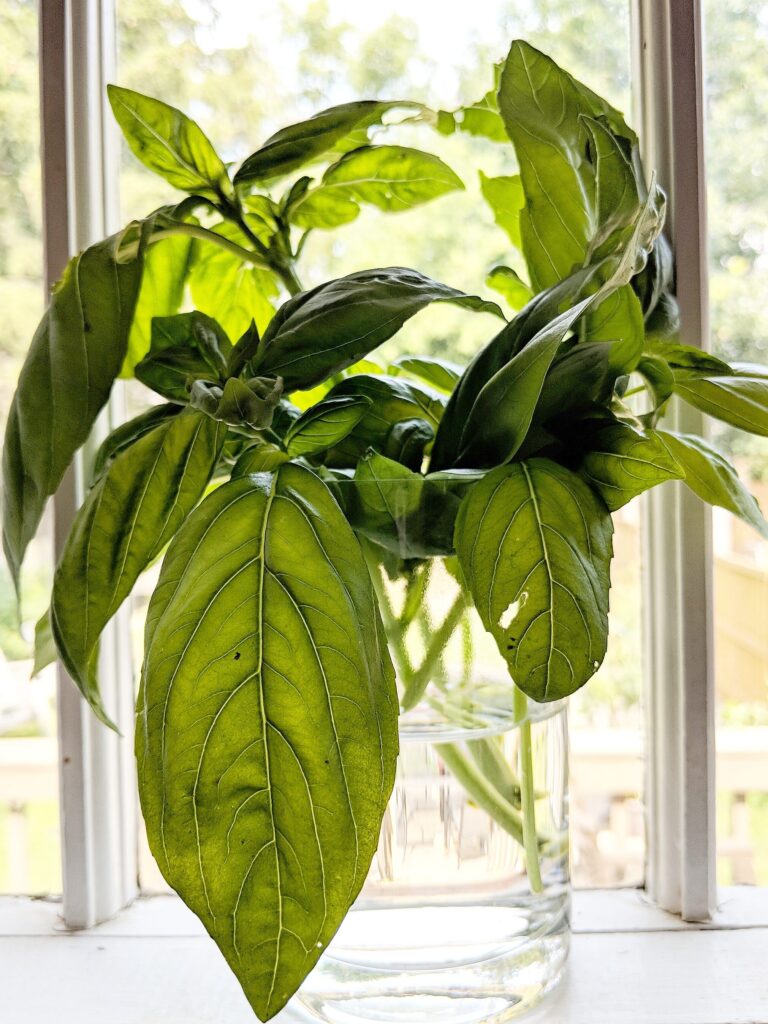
(737, 179)
(29, 831)
(243, 72)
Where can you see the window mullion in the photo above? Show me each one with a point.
(98, 807)
(677, 555)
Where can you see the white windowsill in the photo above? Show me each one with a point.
(630, 964)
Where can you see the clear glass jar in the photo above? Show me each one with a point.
(464, 915)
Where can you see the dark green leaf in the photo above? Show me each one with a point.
(400, 510)
(339, 129)
(407, 441)
(741, 400)
(125, 522)
(184, 348)
(127, 433)
(392, 400)
(248, 404)
(440, 373)
(322, 331)
(267, 732)
(709, 475)
(534, 542)
(75, 355)
(169, 143)
(618, 321)
(659, 380)
(623, 462)
(324, 425)
(45, 645)
(687, 357)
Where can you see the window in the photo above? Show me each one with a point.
(224, 72)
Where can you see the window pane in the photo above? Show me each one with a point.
(243, 72)
(737, 169)
(29, 829)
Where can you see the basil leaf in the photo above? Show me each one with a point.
(687, 357)
(184, 348)
(75, 355)
(618, 322)
(507, 282)
(261, 458)
(169, 143)
(709, 475)
(741, 399)
(124, 523)
(127, 433)
(339, 128)
(248, 404)
(506, 199)
(267, 731)
(623, 462)
(401, 510)
(392, 178)
(325, 425)
(45, 646)
(407, 441)
(440, 373)
(392, 400)
(224, 286)
(581, 189)
(166, 267)
(322, 331)
(659, 380)
(480, 118)
(534, 543)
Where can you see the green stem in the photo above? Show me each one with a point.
(196, 231)
(528, 796)
(391, 624)
(419, 680)
(469, 776)
(491, 761)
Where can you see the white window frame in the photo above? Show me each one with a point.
(97, 780)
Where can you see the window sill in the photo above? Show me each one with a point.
(630, 964)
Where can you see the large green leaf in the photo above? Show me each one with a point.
(507, 282)
(322, 331)
(75, 355)
(618, 321)
(229, 288)
(709, 475)
(623, 462)
(562, 151)
(324, 425)
(337, 129)
(740, 399)
(267, 731)
(129, 432)
(393, 178)
(535, 544)
(127, 519)
(169, 143)
(166, 267)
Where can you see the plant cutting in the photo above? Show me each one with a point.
(345, 540)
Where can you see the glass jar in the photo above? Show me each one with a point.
(464, 915)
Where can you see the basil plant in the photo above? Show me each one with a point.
(266, 731)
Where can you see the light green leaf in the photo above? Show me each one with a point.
(267, 731)
(74, 357)
(709, 475)
(618, 320)
(623, 462)
(336, 129)
(535, 545)
(741, 399)
(125, 522)
(129, 432)
(228, 288)
(562, 150)
(440, 373)
(659, 380)
(687, 357)
(166, 267)
(506, 199)
(45, 645)
(508, 283)
(325, 425)
(322, 331)
(169, 143)
(393, 178)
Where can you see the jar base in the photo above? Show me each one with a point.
(491, 990)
